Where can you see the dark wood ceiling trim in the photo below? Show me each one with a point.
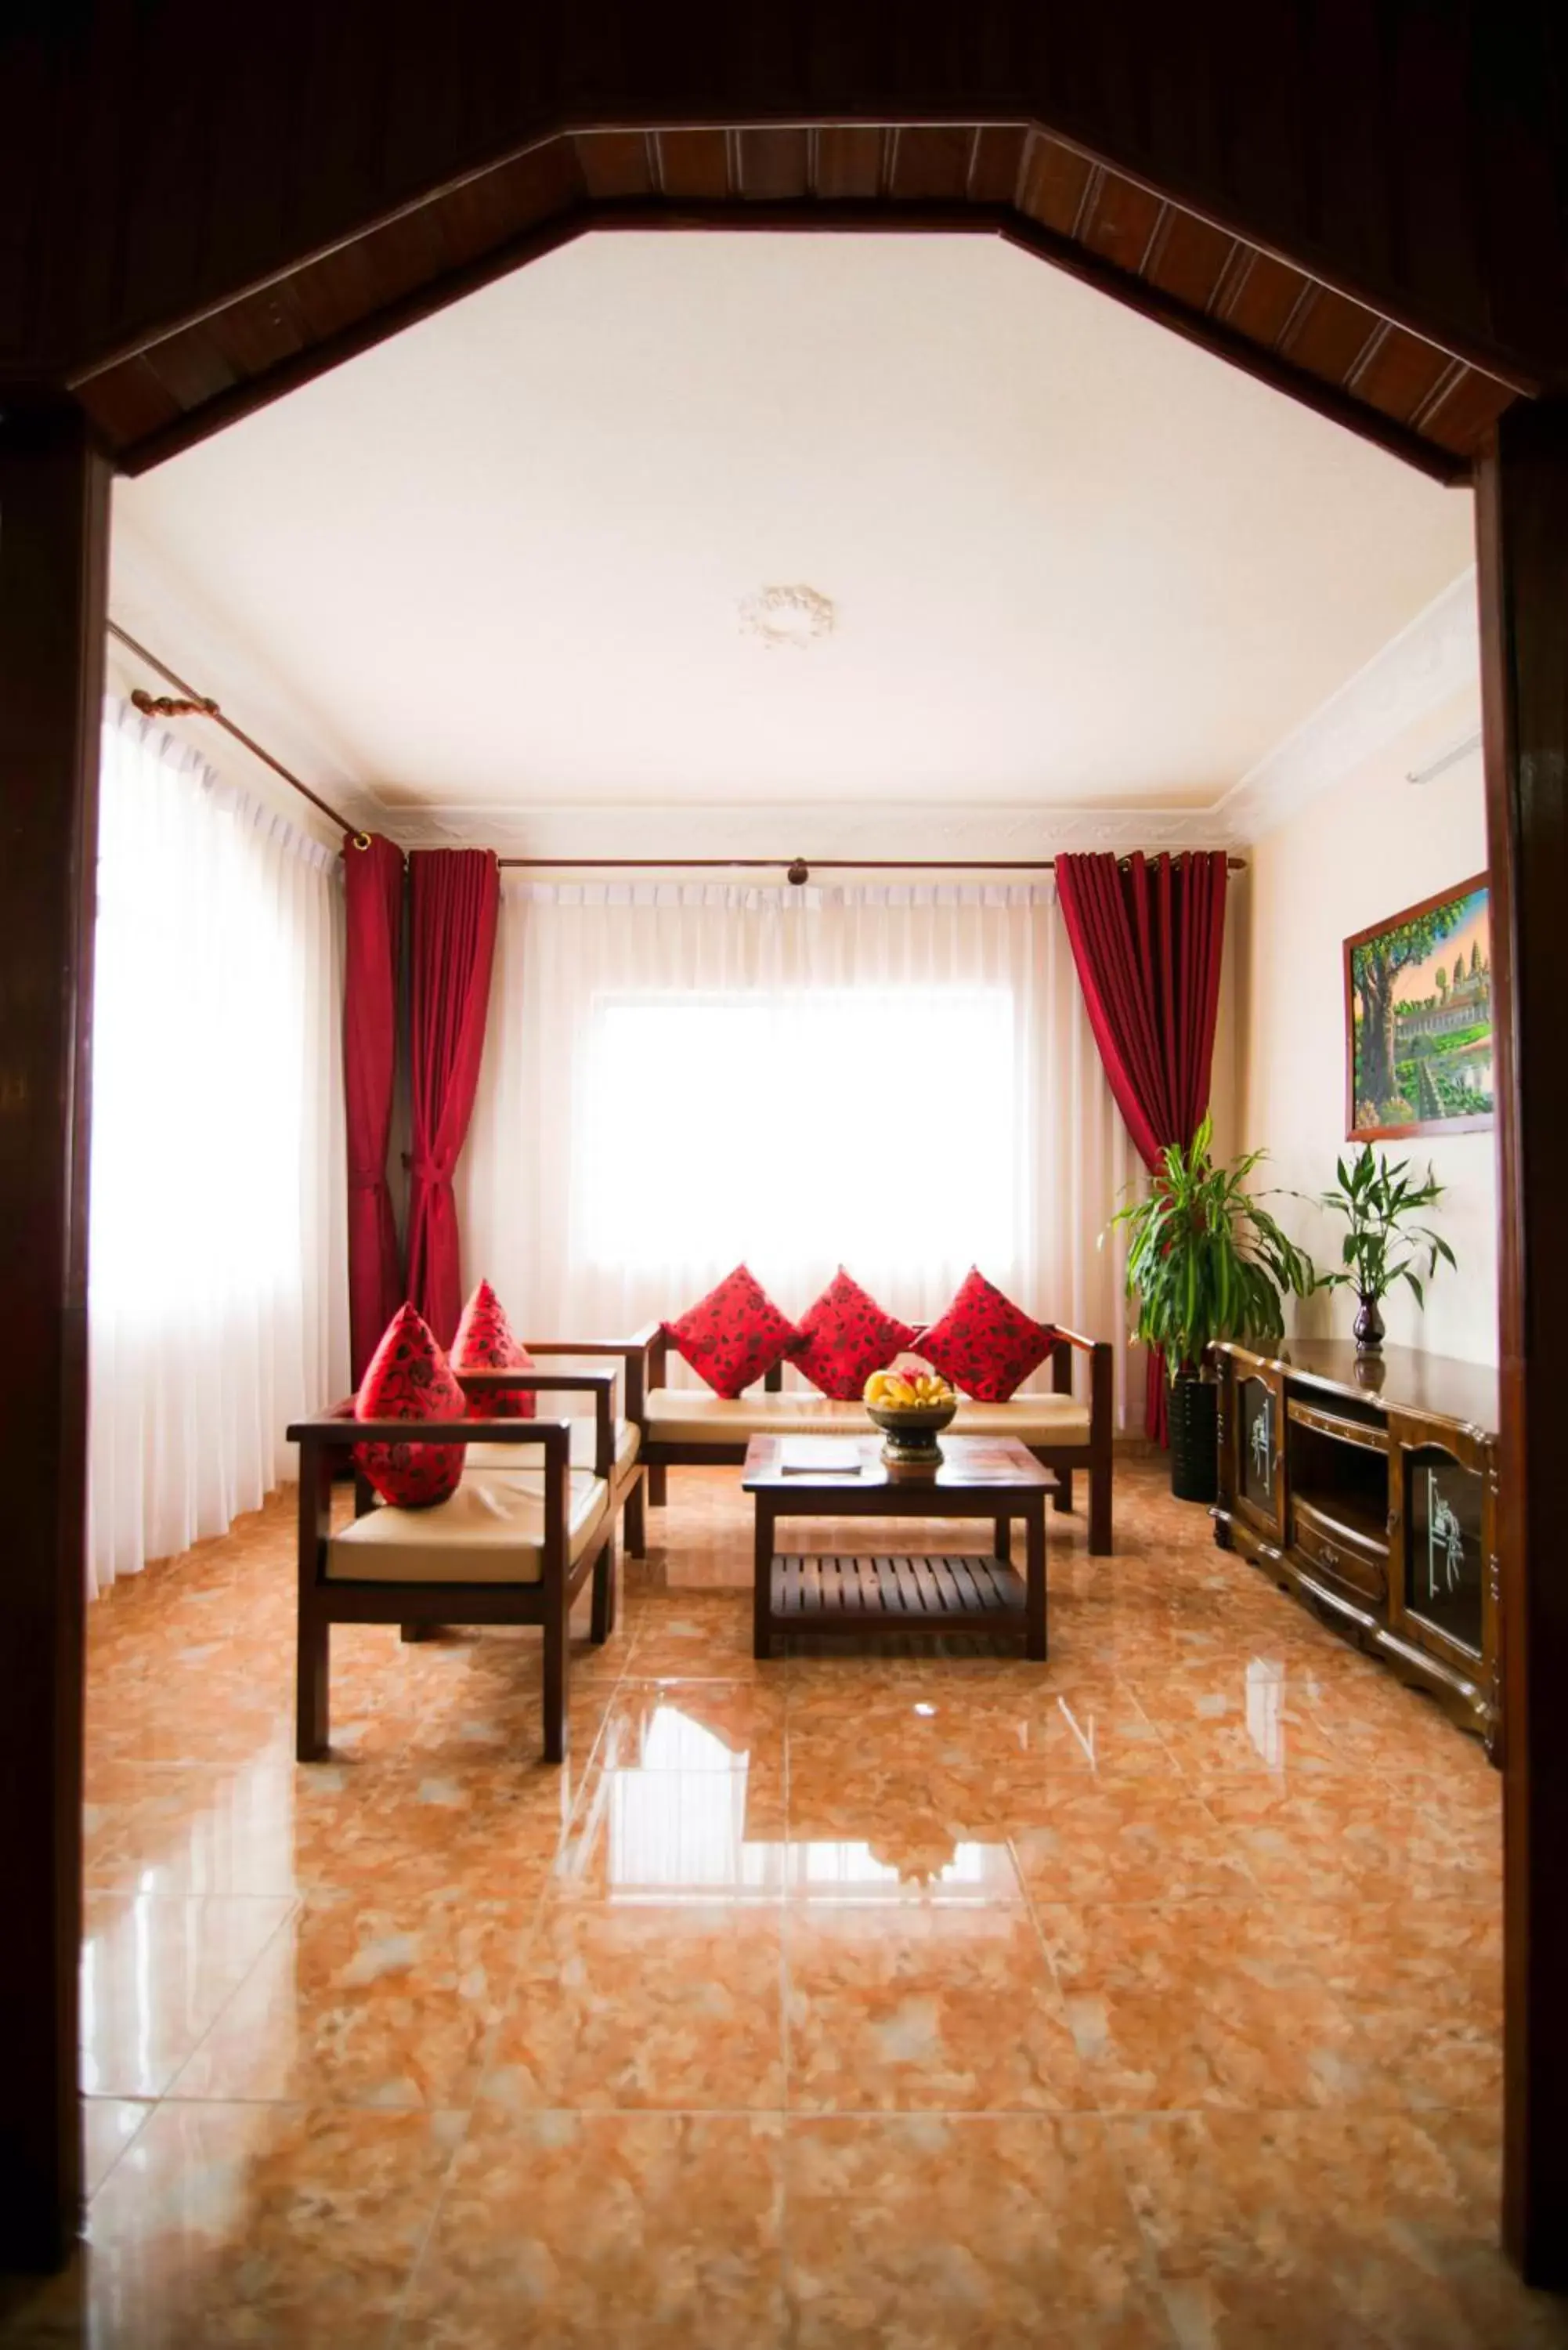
(1206, 331)
(1211, 333)
(1198, 204)
(1502, 366)
(423, 302)
(1452, 376)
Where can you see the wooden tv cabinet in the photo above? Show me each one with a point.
(1368, 1487)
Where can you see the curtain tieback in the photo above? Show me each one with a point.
(425, 1171)
(364, 1179)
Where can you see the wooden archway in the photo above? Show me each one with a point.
(1360, 201)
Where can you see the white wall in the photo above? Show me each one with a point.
(1372, 843)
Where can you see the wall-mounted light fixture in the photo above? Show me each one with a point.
(1446, 759)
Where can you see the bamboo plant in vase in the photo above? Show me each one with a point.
(1380, 1246)
(1206, 1261)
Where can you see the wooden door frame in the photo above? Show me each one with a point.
(53, 580)
(1527, 759)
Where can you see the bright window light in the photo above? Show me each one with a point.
(874, 1126)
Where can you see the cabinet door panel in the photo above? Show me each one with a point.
(1439, 1567)
(1260, 1417)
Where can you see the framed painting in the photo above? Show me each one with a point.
(1417, 1019)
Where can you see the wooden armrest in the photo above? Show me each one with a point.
(332, 1429)
(636, 1354)
(600, 1385)
(1073, 1338)
(638, 1343)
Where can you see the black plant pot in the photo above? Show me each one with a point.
(1195, 1441)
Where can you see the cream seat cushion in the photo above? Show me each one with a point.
(585, 1444)
(695, 1416)
(491, 1530)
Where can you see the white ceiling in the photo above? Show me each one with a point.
(496, 564)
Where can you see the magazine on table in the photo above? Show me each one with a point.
(817, 1456)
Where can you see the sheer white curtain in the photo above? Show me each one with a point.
(679, 1076)
(217, 1299)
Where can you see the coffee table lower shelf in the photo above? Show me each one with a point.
(817, 1593)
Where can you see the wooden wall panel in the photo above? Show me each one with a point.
(1057, 181)
(53, 572)
(997, 164)
(1523, 533)
(774, 166)
(1258, 297)
(932, 163)
(1187, 258)
(617, 165)
(693, 164)
(1409, 155)
(1120, 222)
(848, 161)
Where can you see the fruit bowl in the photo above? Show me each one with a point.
(911, 1412)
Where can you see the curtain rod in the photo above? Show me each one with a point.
(796, 869)
(199, 706)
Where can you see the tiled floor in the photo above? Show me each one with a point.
(1148, 1997)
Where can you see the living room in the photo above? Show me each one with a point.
(812, 878)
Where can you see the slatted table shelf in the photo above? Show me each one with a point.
(926, 1590)
(799, 1593)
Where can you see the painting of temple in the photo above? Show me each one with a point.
(1419, 1011)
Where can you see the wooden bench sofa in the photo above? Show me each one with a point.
(1066, 1431)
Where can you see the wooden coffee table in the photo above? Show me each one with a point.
(814, 1595)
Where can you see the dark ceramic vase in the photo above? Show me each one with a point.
(1368, 1325)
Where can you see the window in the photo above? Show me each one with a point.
(874, 1125)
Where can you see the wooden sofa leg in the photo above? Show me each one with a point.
(410, 1633)
(636, 1518)
(312, 1689)
(657, 1488)
(1063, 1500)
(602, 1622)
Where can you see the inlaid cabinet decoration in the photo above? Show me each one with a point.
(1255, 1417)
(1444, 1543)
(1368, 1487)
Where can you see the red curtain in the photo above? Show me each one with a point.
(1147, 938)
(453, 897)
(373, 898)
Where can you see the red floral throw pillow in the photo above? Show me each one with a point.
(985, 1345)
(409, 1377)
(845, 1338)
(484, 1343)
(733, 1335)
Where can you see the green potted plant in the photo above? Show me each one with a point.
(1205, 1261)
(1380, 1247)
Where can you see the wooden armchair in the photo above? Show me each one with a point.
(514, 1545)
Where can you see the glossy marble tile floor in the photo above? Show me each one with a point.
(1147, 1996)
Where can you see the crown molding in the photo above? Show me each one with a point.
(875, 832)
(1435, 657)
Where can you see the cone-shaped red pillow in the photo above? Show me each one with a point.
(484, 1343)
(409, 1377)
